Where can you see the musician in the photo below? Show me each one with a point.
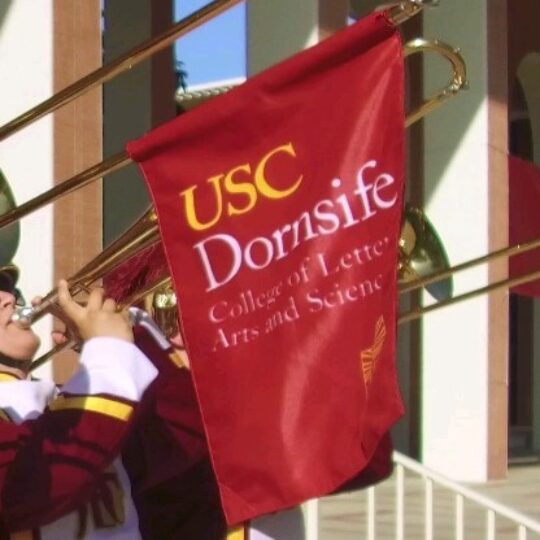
(166, 454)
(56, 473)
(58, 451)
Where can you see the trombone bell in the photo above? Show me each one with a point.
(421, 253)
(161, 304)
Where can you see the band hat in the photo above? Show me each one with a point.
(9, 275)
(9, 235)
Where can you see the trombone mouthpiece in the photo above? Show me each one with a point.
(23, 316)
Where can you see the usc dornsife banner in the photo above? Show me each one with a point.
(279, 206)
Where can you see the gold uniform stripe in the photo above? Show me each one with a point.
(106, 406)
(8, 377)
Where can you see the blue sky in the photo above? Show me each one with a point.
(217, 49)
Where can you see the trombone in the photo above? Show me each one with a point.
(397, 14)
(442, 274)
(145, 233)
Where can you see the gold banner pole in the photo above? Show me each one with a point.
(121, 64)
(504, 284)
(397, 14)
(510, 251)
(122, 159)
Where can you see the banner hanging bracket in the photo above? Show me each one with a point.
(457, 82)
(404, 10)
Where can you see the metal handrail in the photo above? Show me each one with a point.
(491, 506)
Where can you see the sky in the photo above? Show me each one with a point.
(217, 49)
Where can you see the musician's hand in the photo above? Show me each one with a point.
(178, 344)
(58, 337)
(98, 318)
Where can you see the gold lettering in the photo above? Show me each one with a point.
(245, 188)
(260, 175)
(189, 205)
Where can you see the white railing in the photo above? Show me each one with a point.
(422, 488)
(491, 508)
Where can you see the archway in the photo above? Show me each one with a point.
(524, 371)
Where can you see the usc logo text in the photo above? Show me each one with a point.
(240, 188)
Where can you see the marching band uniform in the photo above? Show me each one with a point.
(166, 454)
(55, 448)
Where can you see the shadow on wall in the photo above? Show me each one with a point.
(530, 82)
(5, 6)
(461, 24)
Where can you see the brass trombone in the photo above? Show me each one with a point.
(444, 273)
(397, 14)
(138, 237)
(145, 232)
(116, 67)
(120, 160)
(421, 254)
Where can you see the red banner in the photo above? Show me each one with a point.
(279, 205)
(524, 221)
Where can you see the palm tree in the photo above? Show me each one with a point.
(181, 75)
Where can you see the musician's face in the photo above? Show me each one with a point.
(15, 342)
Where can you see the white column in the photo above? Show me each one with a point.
(26, 158)
(456, 354)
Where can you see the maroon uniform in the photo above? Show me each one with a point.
(56, 450)
(166, 456)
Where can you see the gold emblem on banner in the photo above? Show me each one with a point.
(370, 356)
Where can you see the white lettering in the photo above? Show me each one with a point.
(236, 254)
(222, 256)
